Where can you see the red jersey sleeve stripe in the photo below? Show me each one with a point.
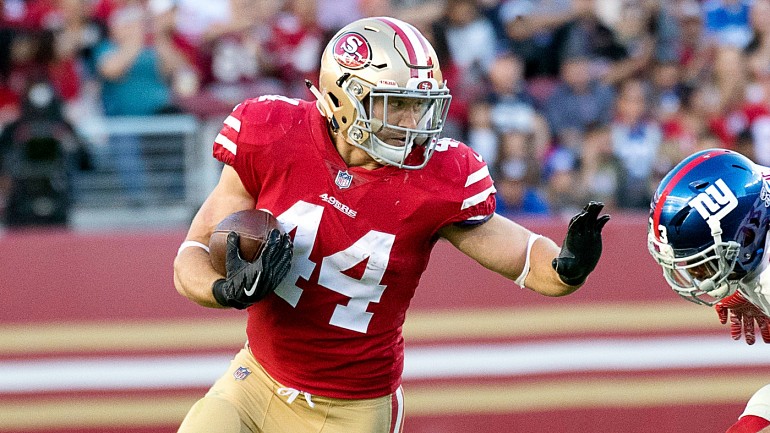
(748, 424)
(228, 135)
(234, 123)
(478, 198)
(477, 176)
(226, 143)
(229, 131)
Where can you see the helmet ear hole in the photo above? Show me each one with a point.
(334, 99)
(344, 119)
(748, 237)
(680, 216)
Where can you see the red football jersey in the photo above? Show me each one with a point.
(362, 238)
(748, 424)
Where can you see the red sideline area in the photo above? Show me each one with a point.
(51, 275)
(66, 278)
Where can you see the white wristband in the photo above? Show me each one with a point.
(524, 272)
(188, 244)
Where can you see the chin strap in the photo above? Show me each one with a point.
(322, 103)
(716, 229)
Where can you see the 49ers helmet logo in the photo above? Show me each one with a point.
(352, 51)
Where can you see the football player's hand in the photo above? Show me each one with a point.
(249, 282)
(743, 314)
(582, 246)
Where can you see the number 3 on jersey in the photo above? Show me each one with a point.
(374, 245)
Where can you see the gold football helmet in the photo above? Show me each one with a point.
(372, 72)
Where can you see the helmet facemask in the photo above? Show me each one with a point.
(704, 277)
(391, 121)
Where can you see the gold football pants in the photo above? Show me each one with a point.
(247, 400)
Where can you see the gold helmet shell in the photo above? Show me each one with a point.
(380, 58)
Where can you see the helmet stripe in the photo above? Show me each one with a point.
(416, 49)
(672, 183)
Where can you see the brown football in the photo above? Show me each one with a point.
(253, 225)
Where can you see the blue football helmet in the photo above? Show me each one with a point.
(708, 224)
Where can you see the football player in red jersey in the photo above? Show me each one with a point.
(364, 188)
(709, 223)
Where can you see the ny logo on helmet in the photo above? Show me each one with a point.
(715, 202)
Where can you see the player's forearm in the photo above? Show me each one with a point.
(194, 276)
(502, 246)
(542, 278)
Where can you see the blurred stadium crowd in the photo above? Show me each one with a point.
(565, 99)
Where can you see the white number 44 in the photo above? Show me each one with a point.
(374, 245)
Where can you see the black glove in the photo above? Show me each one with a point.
(582, 246)
(249, 282)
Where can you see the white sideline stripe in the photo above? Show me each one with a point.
(478, 198)
(477, 176)
(583, 355)
(73, 374)
(500, 360)
(226, 143)
(233, 123)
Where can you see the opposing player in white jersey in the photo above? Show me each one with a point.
(364, 188)
(709, 221)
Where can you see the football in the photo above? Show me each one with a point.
(253, 225)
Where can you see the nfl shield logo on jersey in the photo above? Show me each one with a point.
(241, 373)
(343, 179)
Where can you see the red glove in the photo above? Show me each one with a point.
(743, 314)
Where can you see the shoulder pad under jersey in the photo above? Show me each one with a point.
(466, 176)
(256, 121)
